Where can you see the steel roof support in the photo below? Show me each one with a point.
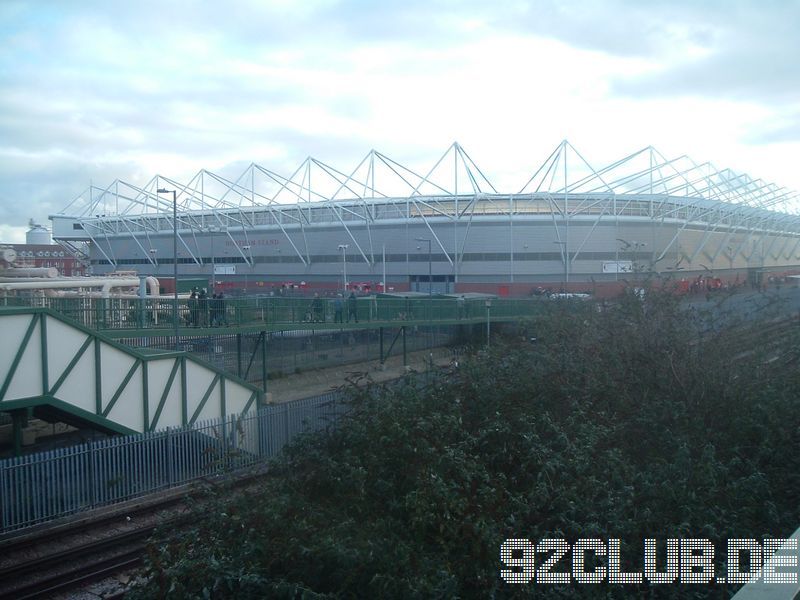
(99, 247)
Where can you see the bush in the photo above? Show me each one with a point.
(640, 421)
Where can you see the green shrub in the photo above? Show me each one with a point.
(639, 421)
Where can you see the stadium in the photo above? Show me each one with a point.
(385, 227)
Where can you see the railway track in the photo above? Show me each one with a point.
(25, 539)
(53, 571)
(57, 558)
(64, 571)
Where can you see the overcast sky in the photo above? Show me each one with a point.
(95, 91)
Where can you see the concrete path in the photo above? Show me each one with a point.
(321, 381)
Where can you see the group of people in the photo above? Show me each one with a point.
(204, 310)
(316, 313)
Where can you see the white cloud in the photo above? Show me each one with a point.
(106, 90)
(12, 235)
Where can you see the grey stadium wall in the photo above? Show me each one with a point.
(596, 232)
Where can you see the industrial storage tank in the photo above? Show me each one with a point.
(37, 234)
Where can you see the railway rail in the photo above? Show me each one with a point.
(64, 557)
(72, 568)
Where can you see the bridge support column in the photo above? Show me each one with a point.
(19, 420)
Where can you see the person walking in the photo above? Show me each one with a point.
(338, 309)
(213, 310)
(222, 313)
(193, 308)
(202, 306)
(352, 309)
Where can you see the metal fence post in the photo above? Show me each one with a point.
(4, 498)
(225, 454)
(264, 373)
(286, 423)
(93, 476)
(170, 459)
(405, 354)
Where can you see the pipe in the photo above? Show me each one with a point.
(72, 294)
(21, 279)
(105, 283)
(48, 272)
(153, 285)
(106, 289)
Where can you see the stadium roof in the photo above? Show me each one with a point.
(643, 174)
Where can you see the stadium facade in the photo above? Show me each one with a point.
(570, 226)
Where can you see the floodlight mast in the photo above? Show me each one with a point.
(246, 248)
(430, 266)
(174, 258)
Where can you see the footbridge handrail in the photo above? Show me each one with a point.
(275, 312)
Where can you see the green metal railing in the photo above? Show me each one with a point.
(274, 312)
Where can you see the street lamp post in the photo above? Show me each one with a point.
(213, 231)
(343, 248)
(383, 283)
(430, 298)
(250, 264)
(154, 258)
(174, 258)
(430, 266)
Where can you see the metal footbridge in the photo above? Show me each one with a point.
(56, 369)
(91, 362)
(157, 317)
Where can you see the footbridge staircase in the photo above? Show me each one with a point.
(58, 370)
